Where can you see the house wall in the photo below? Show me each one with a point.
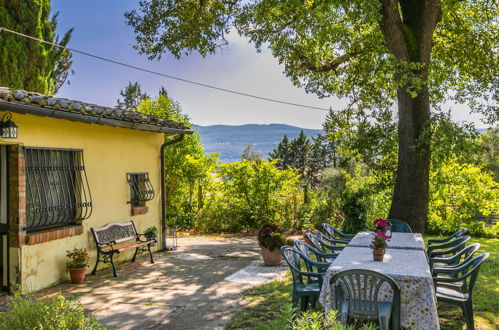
(109, 153)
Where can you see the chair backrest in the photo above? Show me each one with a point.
(309, 250)
(468, 272)
(315, 241)
(363, 288)
(303, 247)
(399, 226)
(313, 270)
(331, 231)
(472, 273)
(292, 258)
(459, 233)
(468, 253)
(449, 247)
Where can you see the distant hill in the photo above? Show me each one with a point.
(230, 141)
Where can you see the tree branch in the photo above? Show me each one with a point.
(325, 67)
(391, 26)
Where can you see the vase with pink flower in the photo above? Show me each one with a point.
(379, 244)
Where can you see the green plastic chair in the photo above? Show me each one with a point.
(447, 249)
(335, 233)
(357, 293)
(319, 244)
(309, 250)
(307, 283)
(452, 261)
(399, 226)
(329, 240)
(457, 234)
(457, 288)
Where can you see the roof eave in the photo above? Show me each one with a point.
(48, 112)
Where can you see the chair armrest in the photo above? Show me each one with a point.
(446, 260)
(335, 241)
(347, 236)
(328, 255)
(318, 264)
(437, 280)
(331, 247)
(453, 249)
(438, 241)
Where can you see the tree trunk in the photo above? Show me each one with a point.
(408, 32)
(411, 193)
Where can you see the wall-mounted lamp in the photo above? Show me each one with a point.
(8, 128)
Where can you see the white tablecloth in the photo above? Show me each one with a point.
(408, 268)
(406, 241)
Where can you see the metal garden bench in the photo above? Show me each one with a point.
(109, 241)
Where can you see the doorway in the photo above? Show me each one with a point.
(4, 224)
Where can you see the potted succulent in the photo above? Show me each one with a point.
(270, 243)
(77, 263)
(379, 244)
(151, 233)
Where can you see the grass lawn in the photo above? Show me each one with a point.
(265, 302)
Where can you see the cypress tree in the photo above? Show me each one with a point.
(28, 64)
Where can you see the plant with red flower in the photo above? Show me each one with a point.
(269, 238)
(267, 230)
(382, 225)
(380, 240)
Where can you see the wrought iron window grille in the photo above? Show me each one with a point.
(141, 189)
(57, 190)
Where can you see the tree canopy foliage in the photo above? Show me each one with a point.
(28, 64)
(417, 54)
(338, 47)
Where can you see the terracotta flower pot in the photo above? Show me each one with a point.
(378, 254)
(77, 275)
(271, 258)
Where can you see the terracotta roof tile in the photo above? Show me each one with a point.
(87, 109)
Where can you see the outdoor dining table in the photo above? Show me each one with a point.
(406, 241)
(408, 267)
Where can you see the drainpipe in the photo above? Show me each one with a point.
(163, 196)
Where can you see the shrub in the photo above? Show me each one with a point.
(26, 312)
(310, 320)
(247, 194)
(220, 215)
(354, 209)
(460, 194)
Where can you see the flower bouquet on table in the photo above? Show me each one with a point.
(270, 242)
(379, 244)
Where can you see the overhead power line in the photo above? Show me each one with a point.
(163, 74)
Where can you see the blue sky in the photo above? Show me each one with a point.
(100, 28)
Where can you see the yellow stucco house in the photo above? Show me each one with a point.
(66, 170)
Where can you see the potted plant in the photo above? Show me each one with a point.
(151, 233)
(77, 264)
(270, 242)
(379, 244)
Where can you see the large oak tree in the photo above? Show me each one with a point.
(415, 54)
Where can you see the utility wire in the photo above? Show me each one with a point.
(162, 74)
